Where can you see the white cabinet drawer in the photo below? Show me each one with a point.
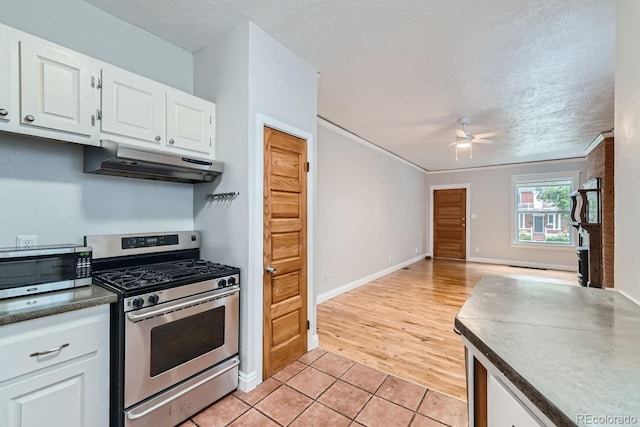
(75, 333)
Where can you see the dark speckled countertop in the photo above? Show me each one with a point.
(570, 350)
(14, 310)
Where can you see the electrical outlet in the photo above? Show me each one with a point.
(328, 278)
(389, 258)
(477, 249)
(25, 242)
(416, 251)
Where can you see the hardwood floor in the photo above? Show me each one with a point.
(402, 323)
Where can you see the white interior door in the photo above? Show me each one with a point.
(56, 90)
(190, 123)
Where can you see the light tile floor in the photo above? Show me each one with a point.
(324, 389)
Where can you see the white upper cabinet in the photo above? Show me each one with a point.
(9, 69)
(58, 89)
(132, 108)
(52, 92)
(190, 123)
(141, 112)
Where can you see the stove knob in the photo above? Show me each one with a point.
(232, 281)
(153, 299)
(138, 302)
(222, 283)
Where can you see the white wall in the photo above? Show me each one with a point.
(283, 93)
(491, 203)
(627, 147)
(249, 76)
(81, 26)
(42, 188)
(370, 206)
(221, 74)
(44, 192)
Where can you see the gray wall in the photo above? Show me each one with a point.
(491, 203)
(42, 187)
(627, 148)
(370, 206)
(247, 73)
(82, 27)
(222, 76)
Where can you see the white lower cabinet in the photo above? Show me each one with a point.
(504, 409)
(59, 370)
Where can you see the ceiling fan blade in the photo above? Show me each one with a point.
(453, 143)
(461, 133)
(482, 141)
(486, 135)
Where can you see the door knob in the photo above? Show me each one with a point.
(158, 138)
(270, 270)
(29, 118)
(171, 141)
(3, 112)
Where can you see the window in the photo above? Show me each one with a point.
(551, 220)
(541, 209)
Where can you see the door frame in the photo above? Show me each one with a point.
(432, 188)
(254, 279)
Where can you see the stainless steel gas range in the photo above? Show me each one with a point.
(174, 329)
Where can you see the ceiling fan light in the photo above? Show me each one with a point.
(463, 144)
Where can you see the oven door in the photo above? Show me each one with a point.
(168, 343)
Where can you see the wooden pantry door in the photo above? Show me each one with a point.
(285, 250)
(449, 223)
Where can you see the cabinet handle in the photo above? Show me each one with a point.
(158, 138)
(53, 350)
(3, 112)
(171, 141)
(29, 118)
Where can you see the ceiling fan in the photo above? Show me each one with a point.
(466, 139)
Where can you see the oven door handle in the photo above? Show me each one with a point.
(133, 416)
(134, 316)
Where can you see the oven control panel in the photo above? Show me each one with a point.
(149, 241)
(159, 297)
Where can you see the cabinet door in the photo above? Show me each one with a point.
(65, 396)
(504, 409)
(56, 89)
(132, 108)
(8, 79)
(190, 123)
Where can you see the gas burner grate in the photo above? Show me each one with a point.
(161, 273)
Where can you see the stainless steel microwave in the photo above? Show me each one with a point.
(43, 269)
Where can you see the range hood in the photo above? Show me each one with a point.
(117, 159)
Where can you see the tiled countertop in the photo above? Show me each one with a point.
(30, 307)
(571, 350)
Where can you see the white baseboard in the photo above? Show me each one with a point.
(628, 296)
(325, 296)
(313, 342)
(524, 264)
(248, 381)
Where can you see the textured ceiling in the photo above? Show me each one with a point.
(401, 73)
